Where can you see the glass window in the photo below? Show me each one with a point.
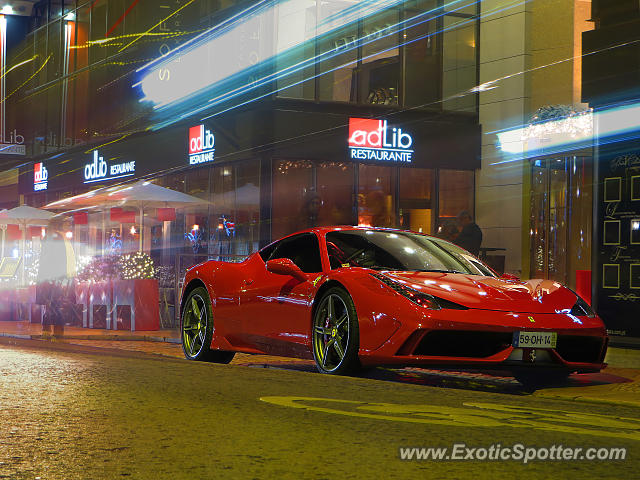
(580, 208)
(79, 84)
(337, 79)
(459, 74)
(538, 218)
(196, 234)
(421, 55)
(296, 27)
(561, 198)
(414, 199)
(303, 250)
(334, 184)
(392, 250)
(558, 228)
(295, 204)
(266, 252)
(311, 194)
(465, 7)
(247, 207)
(235, 213)
(456, 191)
(379, 74)
(376, 196)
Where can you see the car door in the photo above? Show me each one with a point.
(275, 309)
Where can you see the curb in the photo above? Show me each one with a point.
(110, 338)
(624, 342)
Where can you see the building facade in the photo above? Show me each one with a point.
(272, 117)
(610, 81)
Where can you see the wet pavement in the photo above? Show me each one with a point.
(75, 411)
(619, 383)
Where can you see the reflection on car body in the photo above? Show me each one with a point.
(350, 297)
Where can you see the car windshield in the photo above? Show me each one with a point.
(393, 250)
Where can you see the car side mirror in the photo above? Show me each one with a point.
(510, 276)
(284, 266)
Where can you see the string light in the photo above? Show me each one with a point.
(553, 120)
(136, 265)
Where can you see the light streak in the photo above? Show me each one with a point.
(27, 80)
(122, 17)
(157, 25)
(108, 143)
(173, 96)
(614, 124)
(189, 73)
(18, 65)
(111, 41)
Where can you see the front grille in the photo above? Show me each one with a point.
(575, 348)
(456, 343)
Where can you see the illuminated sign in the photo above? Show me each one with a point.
(201, 145)
(40, 177)
(100, 170)
(371, 139)
(15, 146)
(11, 149)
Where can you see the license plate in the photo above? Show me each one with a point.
(535, 339)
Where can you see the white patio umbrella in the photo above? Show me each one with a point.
(247, 196)
(149, 195)
(141, 194)
(24, 216)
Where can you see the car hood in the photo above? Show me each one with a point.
(490, 293)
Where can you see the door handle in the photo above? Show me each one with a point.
(247, 281)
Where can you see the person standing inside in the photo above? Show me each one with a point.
(55, 289)
(309, 212)
(470, 236)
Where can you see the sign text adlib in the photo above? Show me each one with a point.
(371, 139)
(201, 145)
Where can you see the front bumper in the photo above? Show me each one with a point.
(483, 339)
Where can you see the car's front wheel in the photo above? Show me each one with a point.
(335, 335)
(196, 326)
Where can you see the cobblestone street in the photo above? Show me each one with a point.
(76, 411)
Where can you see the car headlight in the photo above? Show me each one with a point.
(582, 309)
(419, 298)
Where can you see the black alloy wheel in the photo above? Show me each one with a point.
(335, 335)
(196, 327)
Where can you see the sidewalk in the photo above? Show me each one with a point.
(34, 331)
(618, 384)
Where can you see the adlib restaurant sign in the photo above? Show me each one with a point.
(100, 170)
(40, 177)
(202, 145)
(371, 139)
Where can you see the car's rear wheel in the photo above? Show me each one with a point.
(196, 326)
(335, 334)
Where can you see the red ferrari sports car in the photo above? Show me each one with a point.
(350, 297)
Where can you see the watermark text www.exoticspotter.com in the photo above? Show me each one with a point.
(516, 452)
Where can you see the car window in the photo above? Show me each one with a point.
(465, 257)
(395, 250)
(303, 250)
(267, 251)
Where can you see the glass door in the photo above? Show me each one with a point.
(560, 218)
